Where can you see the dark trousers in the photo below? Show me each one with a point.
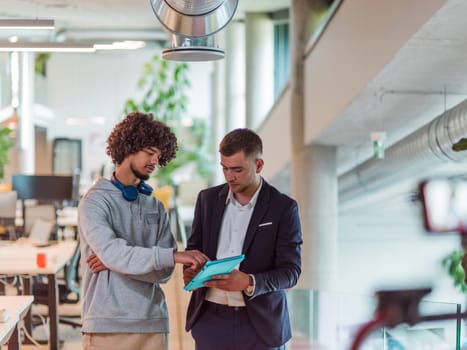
(223, 327)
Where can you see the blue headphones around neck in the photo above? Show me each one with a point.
(130, 193)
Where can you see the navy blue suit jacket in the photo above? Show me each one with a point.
(272, 251)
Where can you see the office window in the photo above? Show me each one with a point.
(281, 57)
(282, 42)
(66, 156)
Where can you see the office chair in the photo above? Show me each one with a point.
(69, 291)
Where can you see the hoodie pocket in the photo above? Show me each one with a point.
(151, 227)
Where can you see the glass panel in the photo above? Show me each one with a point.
(325, 320)
(281, 57)
(66, 156)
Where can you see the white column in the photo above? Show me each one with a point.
(259, 34)
(318, 215)
(314, 174)
(218, 113)
(26, 123)
(235, 76)
(314, 185)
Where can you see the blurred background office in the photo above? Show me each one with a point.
(357, 101)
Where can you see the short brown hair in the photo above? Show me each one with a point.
(242, 139)
(138, 131)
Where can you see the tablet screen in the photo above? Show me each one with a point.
(214, 267)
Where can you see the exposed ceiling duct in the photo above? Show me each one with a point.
(192, 25)
(430, 145)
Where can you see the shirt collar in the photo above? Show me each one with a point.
(231, 199)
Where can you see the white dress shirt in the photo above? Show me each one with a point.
(233, 230)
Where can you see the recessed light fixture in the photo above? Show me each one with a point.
(46, 47)
(27, 24)
(121, 45)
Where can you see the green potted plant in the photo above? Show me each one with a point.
(6, 143)
(165, 85)
(455, 266)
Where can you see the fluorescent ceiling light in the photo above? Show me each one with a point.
(27, 24)
(46, 47)
(121, 45)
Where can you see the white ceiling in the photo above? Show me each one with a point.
(94, 19)
(427, 76)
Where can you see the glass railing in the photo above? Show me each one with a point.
(330, 321)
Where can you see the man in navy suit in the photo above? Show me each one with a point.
(246, 309)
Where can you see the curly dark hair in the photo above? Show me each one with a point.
(138, 131)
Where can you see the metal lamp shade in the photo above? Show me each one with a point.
(193, 49)
(194, 18)
(192, 25)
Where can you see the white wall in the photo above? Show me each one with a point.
(275, 133)
(393, 252)
(97, 85)
(351, 52)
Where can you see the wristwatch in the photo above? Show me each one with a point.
(251, 286)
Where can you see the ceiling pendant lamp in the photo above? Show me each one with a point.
(192, 25)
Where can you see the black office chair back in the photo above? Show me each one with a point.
(72, 271)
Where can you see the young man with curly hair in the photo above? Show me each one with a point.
(127, 243)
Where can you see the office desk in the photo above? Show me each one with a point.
(19, 258)
(17, 307)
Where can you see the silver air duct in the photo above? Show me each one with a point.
(192, 25)
(430, 145)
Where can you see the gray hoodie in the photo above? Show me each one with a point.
(134, 241)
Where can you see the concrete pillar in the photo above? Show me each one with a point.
(235, 76)
(26, 120)
(259, 32)
(314, 175)
(318, 208)
(218, 110)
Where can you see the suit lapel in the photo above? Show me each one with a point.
(261, 207)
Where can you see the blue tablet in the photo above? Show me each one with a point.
(214, 267)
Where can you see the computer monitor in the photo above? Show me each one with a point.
(43, 187)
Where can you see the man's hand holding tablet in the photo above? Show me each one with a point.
(211, 268)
